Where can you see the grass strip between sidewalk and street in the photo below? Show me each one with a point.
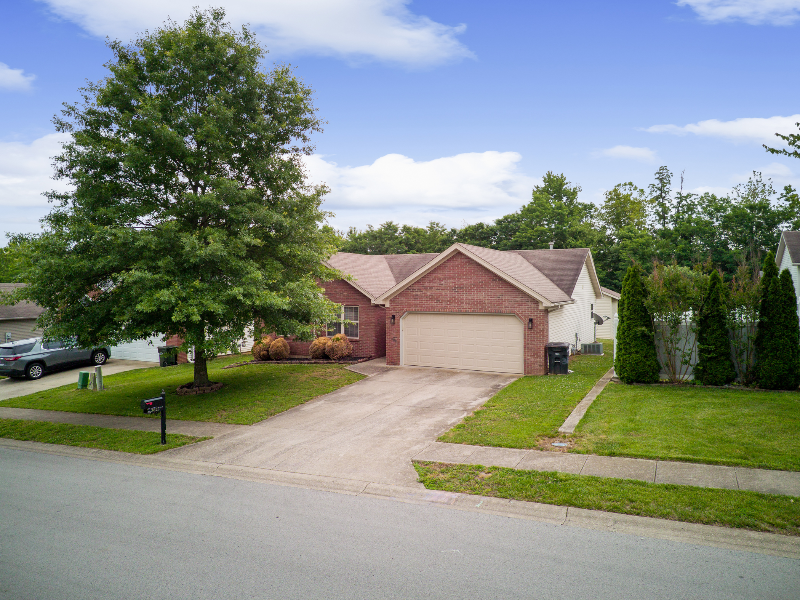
(88, 436)
(532, 408)
(250, 393)
(708, 506)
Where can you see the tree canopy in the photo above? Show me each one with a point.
(189, 213)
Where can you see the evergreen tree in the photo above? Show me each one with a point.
(765, 333)
(714, 365)
(788, 334)
(636, 360)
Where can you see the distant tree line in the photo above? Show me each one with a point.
(660, 223)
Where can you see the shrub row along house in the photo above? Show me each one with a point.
(467, 307)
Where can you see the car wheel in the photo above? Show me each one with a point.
(34, 371)
(99, 357)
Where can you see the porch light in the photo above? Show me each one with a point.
(392, 321)
(530, 323)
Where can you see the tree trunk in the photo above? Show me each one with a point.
(200, 369)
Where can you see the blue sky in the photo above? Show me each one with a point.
(452, 110)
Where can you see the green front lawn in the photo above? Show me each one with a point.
(252, 393)
(727, 508)
(87, 436)
(532, 407)
(695, 424)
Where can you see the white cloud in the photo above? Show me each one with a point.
(14, 79)
(742, 130)
(754, 12)
(26, 171)
(354, 29)
(455, 189)
(630, 152)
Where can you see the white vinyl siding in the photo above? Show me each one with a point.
(606, 306)
(20, 329)
(794, 270)
(575, 318)
(476, 342)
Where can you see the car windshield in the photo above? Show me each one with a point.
(16, 349)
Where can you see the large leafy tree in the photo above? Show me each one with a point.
(554, 214)
(189, 212)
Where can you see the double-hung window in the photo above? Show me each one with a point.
(347, 324)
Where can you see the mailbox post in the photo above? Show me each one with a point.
(158, 405)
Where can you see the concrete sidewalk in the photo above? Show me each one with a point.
(766, 481)
(653, 471)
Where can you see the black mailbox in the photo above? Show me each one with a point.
(557, 358)
(153, 405)
(158, 405)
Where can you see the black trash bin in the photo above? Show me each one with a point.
(557, 358)
(168, 355)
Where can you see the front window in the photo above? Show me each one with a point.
(347, 324)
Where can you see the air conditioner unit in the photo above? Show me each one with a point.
(595, 348)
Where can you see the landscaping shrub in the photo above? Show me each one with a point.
(261, 348)
(636, 360)
(317, 348)
(339, 347)
(768, 352)
(778, 355)
(714, 365)
(279, 349)
(791, 331)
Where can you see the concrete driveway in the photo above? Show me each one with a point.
(11, 388)
(368, 431)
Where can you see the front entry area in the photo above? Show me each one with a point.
(478, 342)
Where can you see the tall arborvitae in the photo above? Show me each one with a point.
(765, 335)
(636, 360)
(714, 365)
(787, 334)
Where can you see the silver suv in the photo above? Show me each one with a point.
(31, 358)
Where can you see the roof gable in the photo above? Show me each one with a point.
(562, 267)
(790, 241)
(509, 266)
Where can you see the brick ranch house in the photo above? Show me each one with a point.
(467, 307)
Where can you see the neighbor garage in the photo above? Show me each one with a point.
(479, 342)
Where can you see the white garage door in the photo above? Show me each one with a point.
(463, 341)
(138, 350)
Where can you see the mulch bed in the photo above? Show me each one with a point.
(188, 389)
(300, 360)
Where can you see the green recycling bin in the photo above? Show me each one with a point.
(83, 380)
(168, 356)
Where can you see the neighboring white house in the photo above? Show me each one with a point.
(788, 257)
(573, 323)
(607, 306)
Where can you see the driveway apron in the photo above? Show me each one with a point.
(368, 431)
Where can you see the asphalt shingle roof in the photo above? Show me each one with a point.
(550, 273)
(21, 310)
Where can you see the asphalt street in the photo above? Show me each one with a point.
(75, 528)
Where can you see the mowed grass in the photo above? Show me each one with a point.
(86, 436)
(251, 393)
(728, 508)
(532, 407)
(747, 428)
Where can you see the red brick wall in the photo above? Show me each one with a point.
(177, 340)
(371, 341)
(461, 285)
